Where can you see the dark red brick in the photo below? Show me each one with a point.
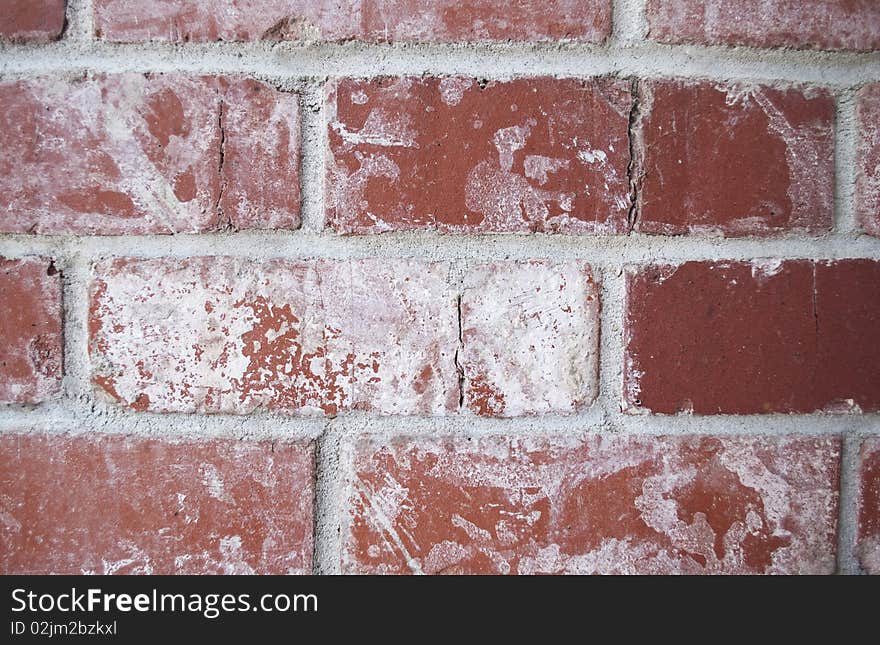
(847, 314)
(751, 338)
(91, 504)
(736, 159)
(455, 155)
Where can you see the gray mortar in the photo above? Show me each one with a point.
(303, 67)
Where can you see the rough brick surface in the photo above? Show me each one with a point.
(605, 505)
(531, 338)
(869, 506)
(868, 182)
(31, 20)
(77, 504)
(231, 335)
(260, 170)
(453, 155)
(814, 24)
(736, 159)
(751, 338)
(30, 331)
(142, 154)
(366, 20)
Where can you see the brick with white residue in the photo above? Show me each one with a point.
(79, 504)
(814, 24)
(30, 330)
(364, 20)
(868, 163)
(303, 337)
(133, 154)
(868, 546)
(736, 159)
(459, 156)
(34, 20)
(665, 505)
(531, 338)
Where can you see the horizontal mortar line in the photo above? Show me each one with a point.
(555, 426)
(296, 60)
(607, 250)
(59, 420)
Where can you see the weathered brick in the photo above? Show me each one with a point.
(89, 504)
(802, 24)
(751, 338)
(736, 159)
(31, 20)
(612, 504)
(308, 337)
(365, 20)
(260, 170)
(141, 154)
(30, 330)
(869, 506)
(868, 182)
(530, 332)
(457, 155)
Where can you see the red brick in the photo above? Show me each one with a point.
(751, 338)
(802, 24)
(531, 338)
(260, 157)
(31, 20)
(847, 297)
(135, 154)
(89, 504)
(366, 20)
(868, 182)
(612, 504)
(869, 506)
(736, 159)
(302, 337)
(30, 331)
(453, 155)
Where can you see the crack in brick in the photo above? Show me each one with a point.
(634, 169)
(225, 221)
(817, 341)
(459, 366)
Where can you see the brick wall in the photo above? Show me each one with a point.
(569, 286)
